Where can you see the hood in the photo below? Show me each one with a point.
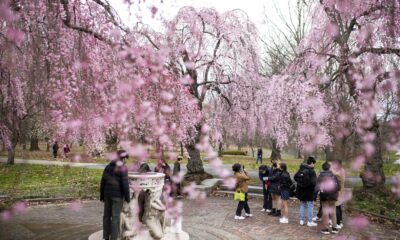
(305, 166)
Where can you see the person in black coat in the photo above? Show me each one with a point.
(114, 189)
(306, 179)
(328, 187)
(273, 178)
(285, 183)
(263, 172)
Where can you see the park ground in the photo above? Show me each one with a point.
(211, 220)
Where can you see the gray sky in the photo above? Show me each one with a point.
(256, 9)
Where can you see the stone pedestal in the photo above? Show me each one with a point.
(143, 218)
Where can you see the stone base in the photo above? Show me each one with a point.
(146, 236)
(175, 236)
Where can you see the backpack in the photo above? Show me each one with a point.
(303, 178)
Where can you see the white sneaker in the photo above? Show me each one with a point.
(239, 218)
(263, 210)
(268, 210)
(283, 220)
(248, 215)
(339, 226)
(311, 224)
(316, 219)
(301, 222)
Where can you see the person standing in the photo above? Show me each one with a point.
(242, 186)
(114, 189)
(263, 172)
(66, 150)
(55, 149)
(259, 155)
(328, 187)
(274, 178)
(176, 171)
(306, 179)
(285, 183)
(340, 173)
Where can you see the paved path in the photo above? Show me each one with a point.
(213, 221)
(350, 181)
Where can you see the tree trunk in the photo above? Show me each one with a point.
(10, 156)
(34, 145)
(181, 149)
(195, 165)
(276, 151)
(48, 144)
(220, 148)
(299, 155)
(373, 175)
(252, 150)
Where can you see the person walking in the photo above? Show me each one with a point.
(328, 187)
(273, 178)
(114, 189)
(340, 173)
(263, 172)
(285, 184)
(55, 149)
(306, 180)
(176, 171)
(242, 186)
(259, 155)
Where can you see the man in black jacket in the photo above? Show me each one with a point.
(328, 187)
(114, 189)
(306, 179)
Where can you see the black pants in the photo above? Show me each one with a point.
(241, 205)
(267, 198)
(339, 217)
(111, 218)
(319, 214)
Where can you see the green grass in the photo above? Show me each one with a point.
(381, 201)
(33, 181)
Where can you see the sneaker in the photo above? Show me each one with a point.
(268, 210)
(335, 230)
(325, 231)
(239, 218)
(301, 222)
(277, 213)
(316, 219)
(248, 214)
(263, 210)
(283, 220)
(272, 212)
(339, 226)
(311, 224)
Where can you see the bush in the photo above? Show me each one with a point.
(241, 153)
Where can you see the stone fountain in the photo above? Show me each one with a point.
(143, 218)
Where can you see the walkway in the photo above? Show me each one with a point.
(214, 220)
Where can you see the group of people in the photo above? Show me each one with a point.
(114, 190)
(278, 187)
(66, 150)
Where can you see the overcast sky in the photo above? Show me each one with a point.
(256, 9)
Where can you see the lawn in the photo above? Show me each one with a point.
(382, 202)
(37, 181)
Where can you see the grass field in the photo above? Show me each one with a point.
(390, 168)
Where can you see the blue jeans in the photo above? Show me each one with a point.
(310, 206)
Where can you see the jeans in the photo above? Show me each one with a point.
(310, 207)
(259, 159)
(241, 205)
(111, 217)
(267, 198)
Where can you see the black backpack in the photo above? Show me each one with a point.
(303, 178)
